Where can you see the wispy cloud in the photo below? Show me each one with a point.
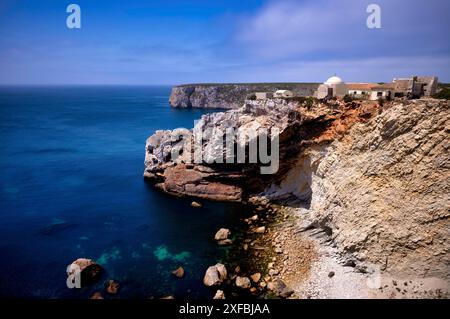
(309, 40)
(273, 40)
(323, 30)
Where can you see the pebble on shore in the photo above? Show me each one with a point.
(279, 288)
(243, 282)
(260, 230)
(219, 295)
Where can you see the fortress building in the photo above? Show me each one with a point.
(412, 88)
(333, 87)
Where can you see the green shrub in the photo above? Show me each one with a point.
(443, 94)
(348, 98)
(309, 102)
(251, 97)
(299, 99)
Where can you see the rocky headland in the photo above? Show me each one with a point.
(229, 96)
(359, 206)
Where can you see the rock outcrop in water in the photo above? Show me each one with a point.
(375, 179)
(230, 181)
(229, 96)
(84, 271)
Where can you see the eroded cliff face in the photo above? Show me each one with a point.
(228, 96)
(233, 180)
(382, 190)
(375, 179)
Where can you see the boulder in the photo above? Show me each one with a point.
(112, 287)
(88, 270)
(219, 295)
(215, 275)
(179, 272)
(243, 282)
(196, 204)
(222, 234)
(222, 271)
(256, 277)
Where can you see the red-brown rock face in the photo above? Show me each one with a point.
(170, 156)
(190, 182)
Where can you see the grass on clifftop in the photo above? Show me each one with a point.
(443, 94)
(260, 83)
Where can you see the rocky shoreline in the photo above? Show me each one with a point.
(274, 257)
(309, 263)
(278, 258)
(255, 267)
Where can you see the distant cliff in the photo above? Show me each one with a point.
(229, 96)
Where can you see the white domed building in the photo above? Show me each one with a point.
(333, 87)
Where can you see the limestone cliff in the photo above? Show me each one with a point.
(229, 96)
(382, 190)
(375, 179)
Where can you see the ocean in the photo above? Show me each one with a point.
(71, 186)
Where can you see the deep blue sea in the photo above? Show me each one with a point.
(71, 186)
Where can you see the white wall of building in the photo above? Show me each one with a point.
(375, 95)
(283, 93)
(338, 87)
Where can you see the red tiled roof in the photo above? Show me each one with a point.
(361, 86)
(370, 86)
(385, 86)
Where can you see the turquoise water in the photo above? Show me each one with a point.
(71, 186)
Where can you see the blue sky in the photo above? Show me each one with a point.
(172, 42)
